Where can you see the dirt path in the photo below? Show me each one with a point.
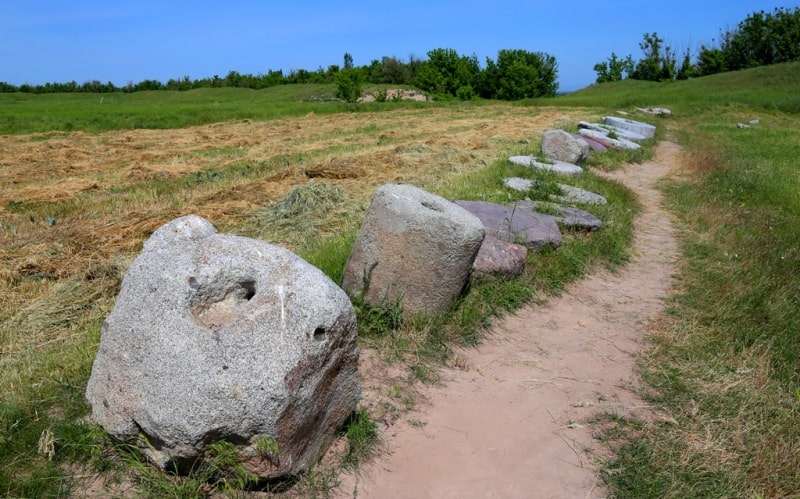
(513, 422)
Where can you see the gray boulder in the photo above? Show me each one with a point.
(565, 216)
(221, 337)
(571, 194)
(508, 223)
(562, 146)
(552, 166)
(413, 247)
(500, 258)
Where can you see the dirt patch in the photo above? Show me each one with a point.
(511, 419)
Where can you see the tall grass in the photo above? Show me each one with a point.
(724, 366)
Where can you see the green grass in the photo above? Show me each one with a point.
(55, 113)
(723, 369)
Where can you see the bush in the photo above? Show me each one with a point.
(348, 85)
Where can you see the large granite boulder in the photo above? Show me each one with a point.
(414, 247)
(508, 223)
(562, 146)
(221, 337)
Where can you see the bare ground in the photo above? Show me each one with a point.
(512, 420)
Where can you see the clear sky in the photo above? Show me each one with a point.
(130, 41)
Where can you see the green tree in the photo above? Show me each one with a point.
(445, 72)
(659, 62)
(520, 74)
(614, 69)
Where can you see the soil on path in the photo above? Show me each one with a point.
(513, 421)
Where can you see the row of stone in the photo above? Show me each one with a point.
(221, 337)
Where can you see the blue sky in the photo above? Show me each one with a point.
(64, 40)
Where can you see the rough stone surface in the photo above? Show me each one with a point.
(555, 166)
(608, 129)
(569, 217)
(522, 226)
(221, 337)
(413, 247)
(502, 258)
(645, 129)
(571, 194)
(562, 146)
(608, 142)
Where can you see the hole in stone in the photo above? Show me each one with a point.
(319, 334)
(214, 307)
(432, 206)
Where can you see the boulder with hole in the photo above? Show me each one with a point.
(413, 248)
(219, 337)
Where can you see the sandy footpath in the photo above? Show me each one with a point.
(512, 423)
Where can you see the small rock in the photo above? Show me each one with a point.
(655, 111)
(503, 258)
(534, 163)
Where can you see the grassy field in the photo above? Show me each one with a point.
(75, 207)
(83, 181)
(724, 363)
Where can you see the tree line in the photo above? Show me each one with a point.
(445, 74)
(762, 38)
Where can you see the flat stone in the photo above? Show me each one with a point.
(594, 146)
(500, 258)
(569, 217)
(654, 111)
(508, 223)
(571, 194)
(535, 163)
(608, 142)
(649, 131)
(608, 129)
